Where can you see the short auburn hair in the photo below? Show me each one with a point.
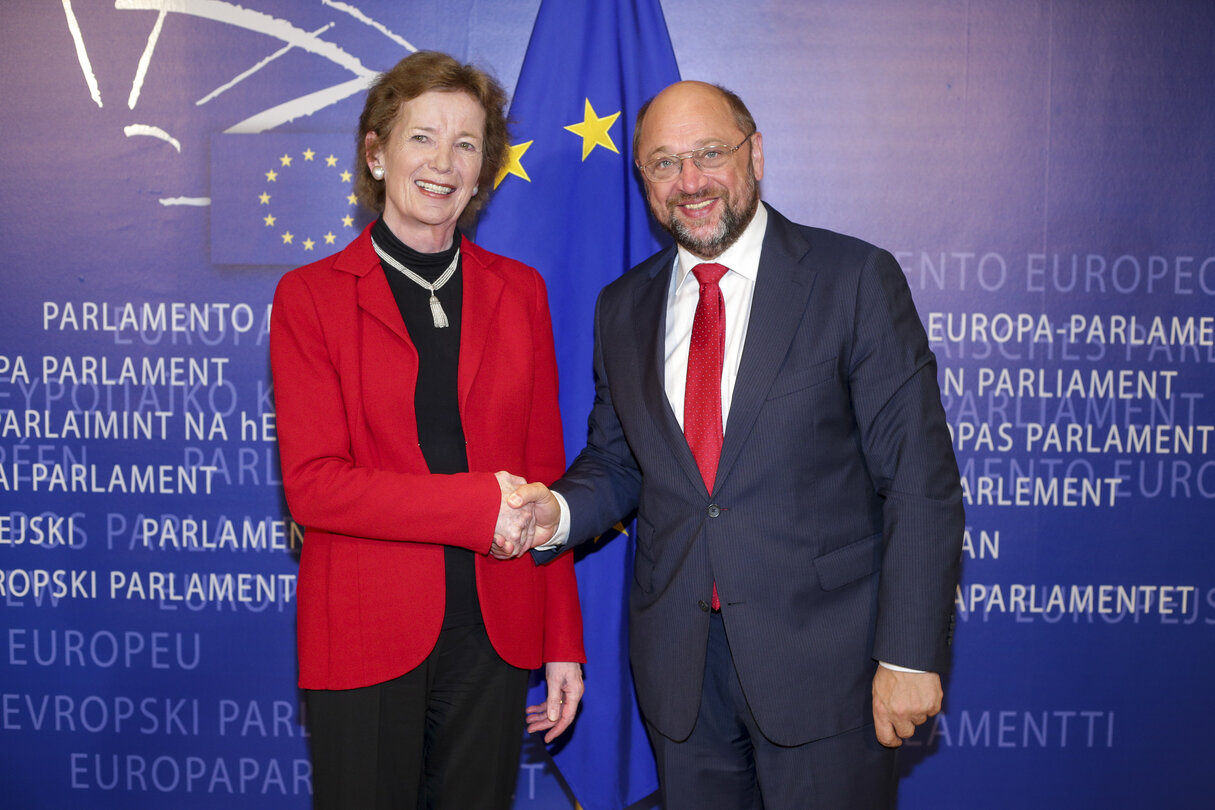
(419, 73)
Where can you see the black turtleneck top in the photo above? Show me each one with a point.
(436, 399)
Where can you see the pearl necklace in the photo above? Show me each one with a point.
(436, 309)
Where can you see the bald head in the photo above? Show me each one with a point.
(676, 99)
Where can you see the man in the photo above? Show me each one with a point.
(778, 564)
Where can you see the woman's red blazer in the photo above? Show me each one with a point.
(371, 586)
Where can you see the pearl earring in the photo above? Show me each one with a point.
(475, 190)
(377, 172)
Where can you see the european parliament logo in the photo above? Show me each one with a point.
(282, 198)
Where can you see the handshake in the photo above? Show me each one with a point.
(528, 517)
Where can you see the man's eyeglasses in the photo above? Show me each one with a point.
(706, 158)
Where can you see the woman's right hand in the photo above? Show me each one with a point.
(515, 531)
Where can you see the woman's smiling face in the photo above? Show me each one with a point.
(431, 160)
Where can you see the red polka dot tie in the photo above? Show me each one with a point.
(702, 396)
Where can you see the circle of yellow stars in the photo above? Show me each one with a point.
(265, 198)
(593, 129)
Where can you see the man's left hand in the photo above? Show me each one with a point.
(902, 701)
(564, 693)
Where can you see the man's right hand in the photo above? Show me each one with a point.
(515, 525)
(537, 499)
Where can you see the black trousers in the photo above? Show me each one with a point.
(728, 764)
(447, 734)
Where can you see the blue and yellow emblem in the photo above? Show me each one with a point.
(283, 199)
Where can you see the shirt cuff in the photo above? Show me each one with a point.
(898, 668)
(562, 534)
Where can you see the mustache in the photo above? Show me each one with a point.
(683, 199)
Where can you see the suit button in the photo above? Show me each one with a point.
(714, 510)
(703, 605)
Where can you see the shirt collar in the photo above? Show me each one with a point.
(742, 257)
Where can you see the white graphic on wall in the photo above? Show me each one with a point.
(293, 37)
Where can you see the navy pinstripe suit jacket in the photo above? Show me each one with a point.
(835, 526)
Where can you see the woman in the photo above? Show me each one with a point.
(407, 368)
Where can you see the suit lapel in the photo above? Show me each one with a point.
(782, 290)
(388, 356)
(375, 297)
(650, 307)
(482, 290)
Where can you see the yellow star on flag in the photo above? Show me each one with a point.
(269, 220)
(287, 237)
(618, 527)
(345, 177)
(265, 198)
(309, 154)
(308, 243)
(347, 221)
(330, 238)
(350, 198)
(594, 130)
(513, 164)
(285, 160)
(331, 161)
(271, 176)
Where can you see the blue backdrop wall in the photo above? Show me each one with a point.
(1042, 170)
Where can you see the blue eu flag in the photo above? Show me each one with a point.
(570, 203)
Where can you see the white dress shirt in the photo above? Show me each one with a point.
(737, 289)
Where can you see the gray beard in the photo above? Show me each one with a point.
(731, 226)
